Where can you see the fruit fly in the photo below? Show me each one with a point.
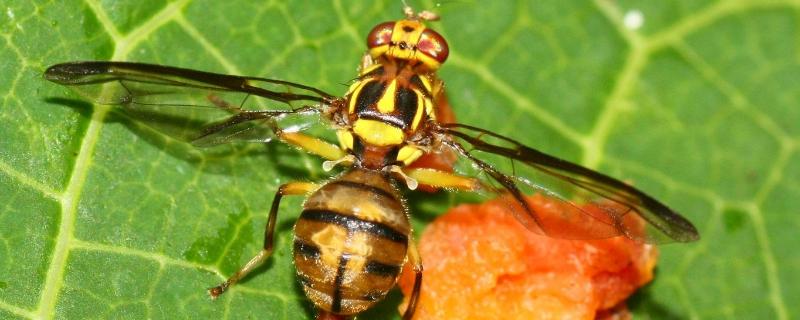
(353, 235)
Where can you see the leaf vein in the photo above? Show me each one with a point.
(519, 100)
(28, 181)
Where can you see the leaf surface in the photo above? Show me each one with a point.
(102, 217)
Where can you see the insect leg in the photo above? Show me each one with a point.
(292, 188)
(413, 258)
(442, 179)
(313, 145)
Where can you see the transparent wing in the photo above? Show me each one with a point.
(202, 107)
(591, 205)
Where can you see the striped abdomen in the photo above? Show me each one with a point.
(351, 241)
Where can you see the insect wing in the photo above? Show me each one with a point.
(258, 126)
(188, 104)
(591, 204)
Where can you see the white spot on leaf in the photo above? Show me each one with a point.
(634, 19)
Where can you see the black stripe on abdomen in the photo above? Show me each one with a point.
(352, 223)
(382, 269)
(307, 250)
(336, 298)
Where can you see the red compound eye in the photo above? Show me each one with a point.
(380, 35)
(432, 44)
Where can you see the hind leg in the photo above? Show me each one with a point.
(416, 261)
(292, 188)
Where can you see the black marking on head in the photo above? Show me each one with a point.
(408, 28)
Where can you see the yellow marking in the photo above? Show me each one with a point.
(353, 86)
(378, 133)
(438, 87)
(351, 108)
(419, 111)
(330, 241)
(312, 145)
(345, 139)
(368, 210)
(433, 88)
(437, 178)
(426, 83)
(386, 103)
(431, 63)
(372, 211)
(333, 242)
(429, 109)
(379, 50)
(409, 154)
(359, 248)
(370, 69)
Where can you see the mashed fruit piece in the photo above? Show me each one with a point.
(481, 263)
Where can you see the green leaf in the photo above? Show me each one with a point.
(698, 105)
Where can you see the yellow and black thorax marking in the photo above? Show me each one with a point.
(386, 107)
(350, 241)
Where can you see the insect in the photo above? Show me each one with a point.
(353, 235)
